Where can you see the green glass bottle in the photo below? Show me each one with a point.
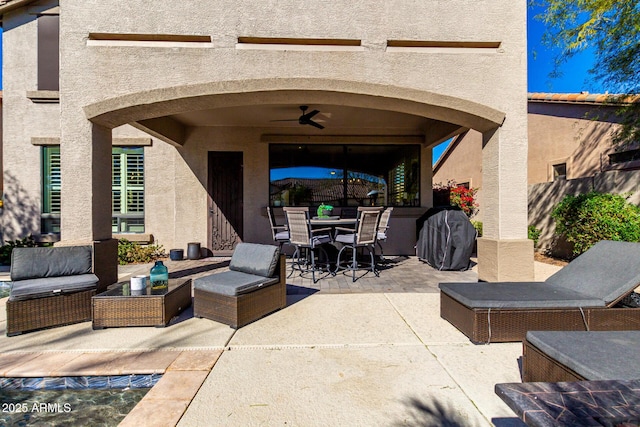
(159, 276)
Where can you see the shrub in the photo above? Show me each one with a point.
(588, 218)
(5, 250)
(533, 233)
(458, 195)
(478, 226)
(130, 252)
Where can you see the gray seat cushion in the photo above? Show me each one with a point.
(232, 283)
(49, 286)
(37, 263)
(517, 295)
(595, 355)
(607, 271)
(253, 258)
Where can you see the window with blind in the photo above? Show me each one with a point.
(127, 190)
(50, 217)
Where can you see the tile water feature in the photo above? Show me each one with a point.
(71, 401)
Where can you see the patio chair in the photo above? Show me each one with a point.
(581, 296)
(279, 233)
(383, 226)
(307, 242)
(254, 287)
(363, 236)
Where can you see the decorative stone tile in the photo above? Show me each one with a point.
(11, 361)
(119, 381)
(77, 382)
(57, 383)
(98, 382)
(582, 403)
(150, 413)
(197, 360)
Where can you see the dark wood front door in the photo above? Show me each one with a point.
(225, 201)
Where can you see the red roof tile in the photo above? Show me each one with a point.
(583, 98)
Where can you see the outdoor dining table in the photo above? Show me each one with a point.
(332, 222)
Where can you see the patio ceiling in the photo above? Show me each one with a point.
(333, 117)
(283, 119)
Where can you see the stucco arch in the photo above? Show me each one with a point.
(155, 103)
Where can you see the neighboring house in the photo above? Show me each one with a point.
(165, 120)
(570, 151)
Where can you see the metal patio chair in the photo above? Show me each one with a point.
(307, 242)
(364, 236)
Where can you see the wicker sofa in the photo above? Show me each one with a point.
(254, 286)
(50, 287)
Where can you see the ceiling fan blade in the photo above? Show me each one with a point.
(284, 120)
(312, 123)
(308, 116)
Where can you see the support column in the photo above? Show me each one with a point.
(504, 252)
(85, 162)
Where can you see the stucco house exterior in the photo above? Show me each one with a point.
(179, 120)
(570, 152)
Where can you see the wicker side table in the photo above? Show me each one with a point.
(119, 307)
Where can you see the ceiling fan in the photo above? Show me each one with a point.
(305, 118)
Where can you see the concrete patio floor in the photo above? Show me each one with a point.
(371, 353)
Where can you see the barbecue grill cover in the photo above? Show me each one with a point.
(446, 239)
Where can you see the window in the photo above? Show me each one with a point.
(344, 175)
(48, 52)
(559, 171)
(624, 156)
(51, 184)
(127, 190)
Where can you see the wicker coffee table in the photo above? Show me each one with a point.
(120, 307)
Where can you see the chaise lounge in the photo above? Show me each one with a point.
(577, 378)
(581, 296)
(556, 356)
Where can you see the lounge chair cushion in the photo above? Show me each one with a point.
(253, 258)
(233, 283)
(37, 263)
(607, 271)
(595, 355)
(50, 286)
(517, 295)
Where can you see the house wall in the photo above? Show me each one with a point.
(558, 132)
(176, 210)
(463, 164)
